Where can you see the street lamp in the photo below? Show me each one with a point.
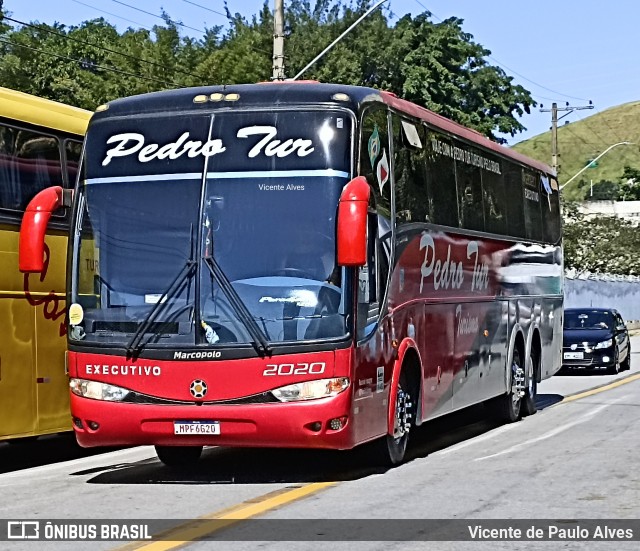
(593, 161)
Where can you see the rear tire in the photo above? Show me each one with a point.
(528, 406)
(179, 456)
(507, 408)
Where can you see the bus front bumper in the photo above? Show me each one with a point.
(322, 423)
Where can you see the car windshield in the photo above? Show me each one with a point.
(251, 204)
(588, 320)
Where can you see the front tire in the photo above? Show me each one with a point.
(615, 368)
(626, 365)
(179, 456)
(390, 450)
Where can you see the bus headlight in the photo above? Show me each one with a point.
(311, 390)
(604, 344)
(97, 391)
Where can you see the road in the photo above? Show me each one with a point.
(575, 459)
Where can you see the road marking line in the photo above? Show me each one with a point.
(599, 389)
(491, 434)
(192, 531)
(546, 435)
(504, 428)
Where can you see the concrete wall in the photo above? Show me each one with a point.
(624, 296)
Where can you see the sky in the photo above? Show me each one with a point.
(561, 51)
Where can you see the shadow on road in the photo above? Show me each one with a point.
(546, 400)
(291, 466)
(25, 453)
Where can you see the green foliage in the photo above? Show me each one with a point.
(600, 244)
(630, 185)
(600, 191)
(436, 65)
(586, 139)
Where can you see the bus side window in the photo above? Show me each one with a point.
(409, 170)
(495, 220)
(72, 151)
(29, 163)
(515, 200)
(441, 180)
(470, 198)
(532, 203)
(550, 207)
(374, 165)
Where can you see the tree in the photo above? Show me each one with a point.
(93, 63)
(603, 190)
(600, 244)
(629, 185)
(436, 65)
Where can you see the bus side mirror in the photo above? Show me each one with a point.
(352, 223)
(34, 226)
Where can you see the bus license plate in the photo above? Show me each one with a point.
(196, 427)
(574, 355)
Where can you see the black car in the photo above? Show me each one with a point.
(595, 339)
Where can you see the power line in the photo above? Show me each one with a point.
(508, 68)
(93, 65)
(567, 129)
(158, 16)
(568, 109)
(73, 39)
(205, 8)
(604, 120)
(587, 124)
(111, 14)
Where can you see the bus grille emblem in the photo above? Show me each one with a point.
(198, 388)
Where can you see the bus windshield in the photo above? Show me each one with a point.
(251, 194)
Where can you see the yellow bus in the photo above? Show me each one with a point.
(40, 146)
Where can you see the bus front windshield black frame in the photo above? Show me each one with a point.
(253, 194)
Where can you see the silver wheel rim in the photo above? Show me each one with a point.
(402, 423)
(518, 382)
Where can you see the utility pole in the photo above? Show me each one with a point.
(278, 40)
(554, 127)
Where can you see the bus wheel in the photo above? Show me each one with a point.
(178, 456)
(506, 408)
(391, 449)
(528, 406)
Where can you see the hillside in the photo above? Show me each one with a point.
(581, 141)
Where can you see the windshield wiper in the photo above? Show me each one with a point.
(135, 344)
(260, 341)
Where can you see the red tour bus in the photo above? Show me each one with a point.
(299, 265)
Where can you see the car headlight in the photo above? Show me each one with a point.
(311, 390)
(97, 391)
(604, 344)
